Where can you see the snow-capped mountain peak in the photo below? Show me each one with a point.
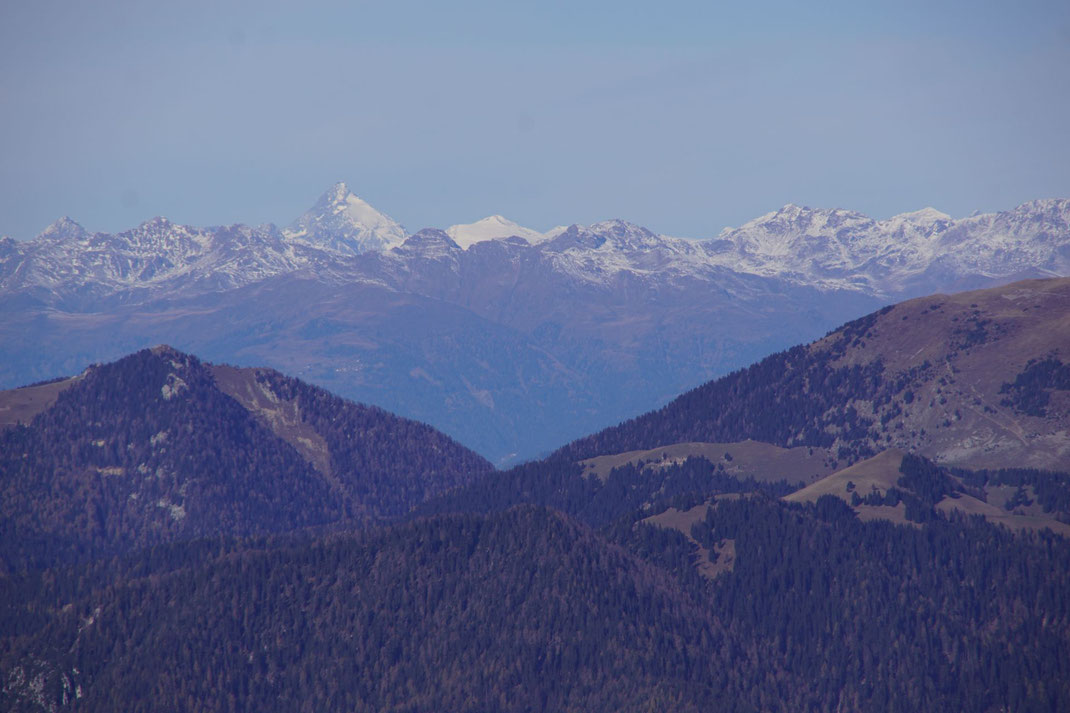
(343, 222)
(922, 217)
(493, 227)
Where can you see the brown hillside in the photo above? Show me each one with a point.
(964, 348)
(21, 405)
(978, 379)
(745, 459)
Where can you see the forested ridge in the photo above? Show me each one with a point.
(955, 615)
(561, 484)
(148, 449)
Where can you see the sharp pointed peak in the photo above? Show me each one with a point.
(63, 228)
(338, 192)
(342, 221)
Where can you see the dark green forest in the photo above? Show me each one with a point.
(526, 609)
(955, 615)
(519, 611)
(1031, 390)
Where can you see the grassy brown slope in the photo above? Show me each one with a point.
(283, 418)
(22, 404)
(387, 462)
(877, 473)
(745, 459)
(882, 473)
(975, 343)
(710, 562)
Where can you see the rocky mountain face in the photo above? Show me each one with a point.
(471, 328)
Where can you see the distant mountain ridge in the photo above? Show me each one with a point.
(905, 255)
(469, 328)
(492, 227)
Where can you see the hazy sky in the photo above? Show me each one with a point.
(682, 116)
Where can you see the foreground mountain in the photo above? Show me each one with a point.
(161, 447)
(974, 381)
(521, 611)
(592, 324)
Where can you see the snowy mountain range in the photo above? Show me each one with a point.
(510, 340)
(910, 253)
(829, 249)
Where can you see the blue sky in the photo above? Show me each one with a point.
(682, 116)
